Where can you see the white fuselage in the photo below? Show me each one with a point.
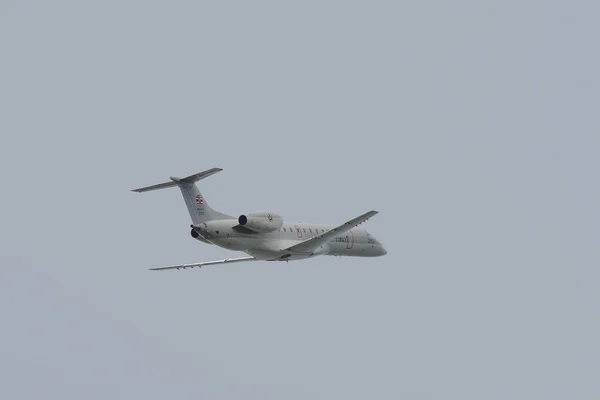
(265, 235)
(270, 246)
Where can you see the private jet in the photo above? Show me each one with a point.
(265, 235)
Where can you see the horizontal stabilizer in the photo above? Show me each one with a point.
(178, 181)
(198, 176)
(155, 187)
(202, 264)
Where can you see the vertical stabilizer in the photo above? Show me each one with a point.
(196, 204)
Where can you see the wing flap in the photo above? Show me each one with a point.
(311, 244)
(202, 264)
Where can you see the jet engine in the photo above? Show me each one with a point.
(197, 236)
(261, 222)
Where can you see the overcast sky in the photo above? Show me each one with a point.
(472, 127)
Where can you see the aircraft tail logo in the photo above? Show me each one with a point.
(199, 200)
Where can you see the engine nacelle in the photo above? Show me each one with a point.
(197, 236)
(261, 222)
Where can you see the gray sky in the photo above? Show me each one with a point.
(472, 127)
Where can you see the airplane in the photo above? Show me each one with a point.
(265, 235)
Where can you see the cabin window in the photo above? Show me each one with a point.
(310, 230)
(284, 230)
(304, 229)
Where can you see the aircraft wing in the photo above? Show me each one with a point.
(202, 264)
(313, 243)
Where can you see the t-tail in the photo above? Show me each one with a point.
(196, 204)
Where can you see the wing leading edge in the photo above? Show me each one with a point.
(313, 243)
(202, 264)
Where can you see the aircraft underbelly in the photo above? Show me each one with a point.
(357, 250)
(248, 244)
(230, 243)
(271, 249)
